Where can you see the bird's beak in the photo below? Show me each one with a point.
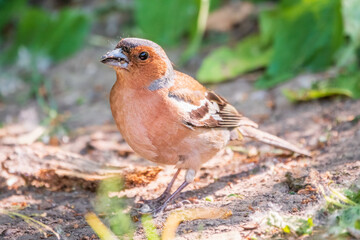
(115, 58)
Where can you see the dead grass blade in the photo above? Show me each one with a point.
(177, 217)
(99, 227)
(41, 227)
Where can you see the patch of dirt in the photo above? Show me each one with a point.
(251, 181)
(63, 211)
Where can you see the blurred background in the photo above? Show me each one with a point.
(50, 72)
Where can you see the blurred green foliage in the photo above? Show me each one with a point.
(166, 22)
(291, 225)
(112, 208)
(344, 84)
(305, 35)
(51, 36)
(32, 40)
(343, 210)
(39, 38)
(300, 34)
(350, 51)
(297, 36)
(294, 36)
(7, 12)
(149, 227)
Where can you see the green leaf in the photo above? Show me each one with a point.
(307, 35)
(163, 21)
(346, 84)
(287, 229)
(224, 62)
(311, 94)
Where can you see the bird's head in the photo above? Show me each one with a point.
(138, 62)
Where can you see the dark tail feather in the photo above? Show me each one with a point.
(254, 133)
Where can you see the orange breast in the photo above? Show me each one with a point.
(148, 124)
(153, 128)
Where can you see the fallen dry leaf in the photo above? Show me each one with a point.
(177, 217)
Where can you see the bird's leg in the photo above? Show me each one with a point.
(189, 178)
(167, 191)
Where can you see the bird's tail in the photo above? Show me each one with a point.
(254, 133)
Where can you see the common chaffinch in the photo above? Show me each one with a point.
(168, 117)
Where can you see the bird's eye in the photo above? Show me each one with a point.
(143, 55)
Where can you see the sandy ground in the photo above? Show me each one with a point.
(250, 181)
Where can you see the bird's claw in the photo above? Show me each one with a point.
(146, 209)
(152, 206)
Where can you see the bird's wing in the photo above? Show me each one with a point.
(202, 108)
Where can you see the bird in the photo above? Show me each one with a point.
(169, 118)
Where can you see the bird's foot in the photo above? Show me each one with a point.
(153, 206)
(168, 198)
(155, 212)
(146, 209)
